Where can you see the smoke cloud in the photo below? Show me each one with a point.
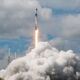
(44, 63)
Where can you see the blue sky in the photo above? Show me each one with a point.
(20, 44)
(58, 20)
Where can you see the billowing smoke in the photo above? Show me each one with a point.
(44, 63)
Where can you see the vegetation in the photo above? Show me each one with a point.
(1, 79)
(51, 78)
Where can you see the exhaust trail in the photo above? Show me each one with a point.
(44, 63)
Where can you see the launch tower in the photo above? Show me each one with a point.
(9, 56)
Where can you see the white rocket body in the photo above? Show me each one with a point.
(36, 22)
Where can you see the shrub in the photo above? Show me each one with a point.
(1, 79)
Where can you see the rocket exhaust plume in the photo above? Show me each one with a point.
(44, 63)
(36, 37)
(36, 30)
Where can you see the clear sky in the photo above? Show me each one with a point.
(58, 20)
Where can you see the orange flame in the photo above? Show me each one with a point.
(36, 37)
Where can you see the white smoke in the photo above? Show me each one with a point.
(43, 63)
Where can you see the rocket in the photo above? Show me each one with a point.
(36, 29)
(36, 22)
